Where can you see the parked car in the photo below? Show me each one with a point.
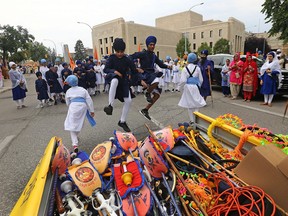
(220, 59)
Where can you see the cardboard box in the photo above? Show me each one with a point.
(267, 167)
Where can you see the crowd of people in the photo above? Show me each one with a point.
(123, 76)
(237, 75)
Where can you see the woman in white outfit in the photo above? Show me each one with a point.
(191, 79)
(79, 105)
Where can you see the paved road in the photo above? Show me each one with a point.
(27, 131)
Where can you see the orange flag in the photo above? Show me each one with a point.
(139, 47)
(72, 63)
(95, 53)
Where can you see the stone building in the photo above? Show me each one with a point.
(169, 30)
(199, 31)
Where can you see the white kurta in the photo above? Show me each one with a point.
(191, 97)
(43, 70)
(99, 75)
(59, 70)
(77, 110)
(176, 74)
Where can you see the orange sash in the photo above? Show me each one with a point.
(152, 160)
(85, 177)
(100, 156)
(137, 179)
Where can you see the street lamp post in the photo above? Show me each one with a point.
(53, 43)
(187, 19)
(91, 32)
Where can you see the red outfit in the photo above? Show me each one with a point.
(250, 77)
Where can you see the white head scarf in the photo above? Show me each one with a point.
(274, 65)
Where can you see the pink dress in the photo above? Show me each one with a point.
(236, 75)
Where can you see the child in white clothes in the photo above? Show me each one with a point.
(79, 105)
(175, 76)
(191, 80)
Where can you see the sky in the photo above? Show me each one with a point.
(54, 22)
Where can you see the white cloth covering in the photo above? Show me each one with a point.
(191, 97)
(77, 110)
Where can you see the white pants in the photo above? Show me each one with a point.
(191, 115)
(1, 83)
(74, 137)
(268, 98)
(127, 100)
(20, 102)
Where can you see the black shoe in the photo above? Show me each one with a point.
(108, 110)
(63, 101)
(148, 97)
(51, 100)
(124, 126)
(55, 103)
(145, 113)
(133, 95)
(75, 149)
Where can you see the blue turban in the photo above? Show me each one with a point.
(205, 52)
(90, 57)
(64, 64)
(192, 57)
(176, 60)
(49, 65)
(151, 39)
(43, 61)
(272, 53)
(168, 57)
(72, 80)
(57, 60)
(78, 62)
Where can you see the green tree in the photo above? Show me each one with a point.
(13, 40)
(204, 46)
(180, 47)
(37, 51)
(80, 51)
(276, 13)
(221, 46)
(253, 44)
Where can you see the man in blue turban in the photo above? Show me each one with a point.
(150, 78)
(207, 70)
(151, 39)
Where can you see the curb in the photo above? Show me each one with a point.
(5, 89)
(4, 144)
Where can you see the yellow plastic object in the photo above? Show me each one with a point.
(235, 132)
(29, 202)
(127, 178)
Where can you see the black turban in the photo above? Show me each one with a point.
(38, 74)
(119, 44)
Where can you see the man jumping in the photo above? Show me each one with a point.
(150, 78)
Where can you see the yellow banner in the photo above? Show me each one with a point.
(29, 202)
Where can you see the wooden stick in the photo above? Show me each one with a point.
(176, 171)
(210, 83)
(187, 162)
(184, 205)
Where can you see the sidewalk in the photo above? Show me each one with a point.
(8, 84)
(4, 89)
